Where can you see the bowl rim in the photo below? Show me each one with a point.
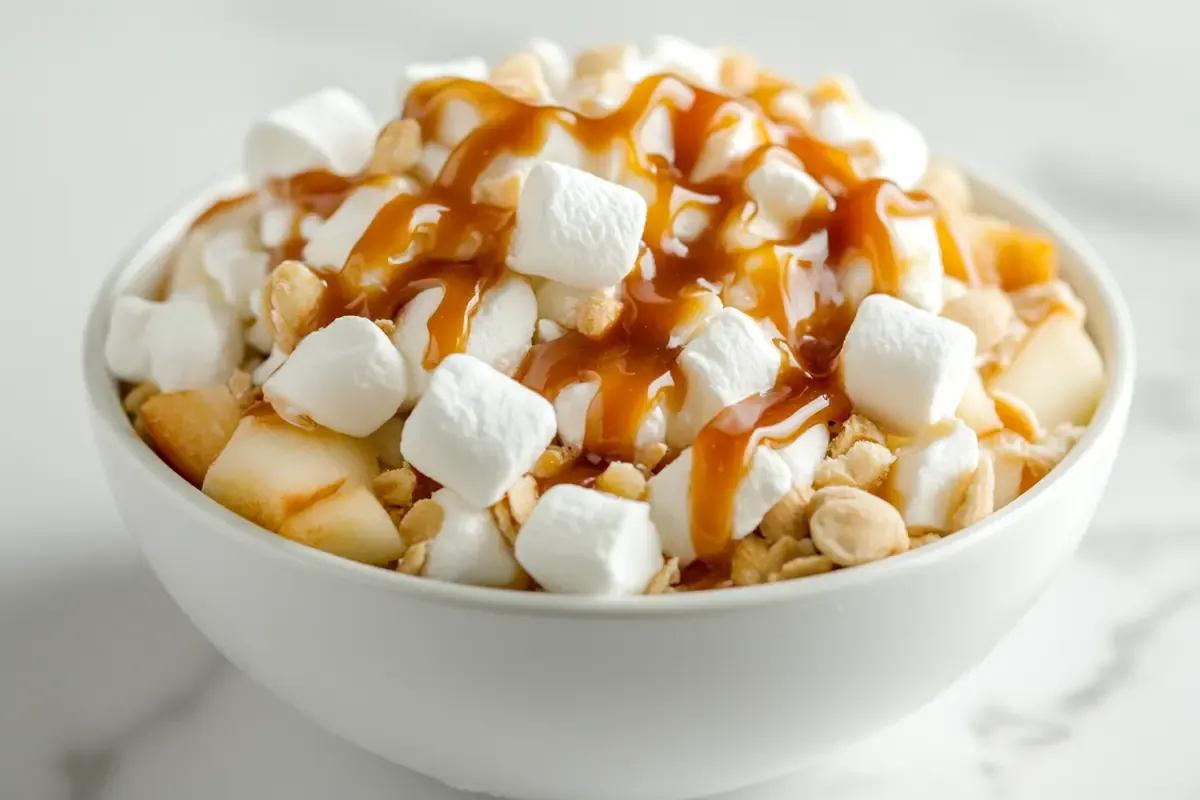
(107, 411)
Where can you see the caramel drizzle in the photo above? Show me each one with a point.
(446, 237)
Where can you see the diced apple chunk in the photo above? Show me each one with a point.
(977, 409)
(271, 470)
(1011, 256)
(189, 429)
(1057, 374)
(350, 523)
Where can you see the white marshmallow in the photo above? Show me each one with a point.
(125, 347)
(731, 359)
(558, 146)
(804, 453)
(903, 367)
(309, 225)
(901, 154)
(472, 68)
(236, 268)
(346, 376)
(457, 119)
(269, 366)
(329, 129)
(670, 54)
(556, 69)
(576, 228)
(704, 305)
(469, 548)
(582, 541)
(275, 225)
(737, 132)
(192, 344)
(764, 484)
(548, 330)
(571, 409)
(917, 241)
(655, 135)
(783, 191)
(475, 430)
(331, 244)
(930, 473)
(500, 335)
(433, 157)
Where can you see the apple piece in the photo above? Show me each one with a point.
(977, 409)
(1057, 374)
(190, 429)
(350, 523)
(1008, 255)
(271, 470)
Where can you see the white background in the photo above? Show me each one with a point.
(113, 111)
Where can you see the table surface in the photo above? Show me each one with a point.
(106, 691)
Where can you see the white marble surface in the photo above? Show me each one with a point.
(114, 110)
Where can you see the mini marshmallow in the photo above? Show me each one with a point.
(576, 228)
(804, 453)
(457, 119)
(571, 409)
(469, 548)
(236, 268)
(500, 335)
(329, 129)
(558, 146)
(475, 430)
(670, 54)
(764, 485)
(901, 154)
(582, 541)
(702, 307)
(930, 473)
(903, 367)
(472, 68)
(275, 226)
(654, 135)
(126, 350)
(731, 359)
(330, 246)
(192, 344)
(548, 330)
(556, 69)
(346, 376)
(921, 283)
(737, 132)
(783, 191)
(433, 157)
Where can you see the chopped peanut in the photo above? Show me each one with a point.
(739, 74)
(291, 301)
(755, 560)
(1034, 303)
(502, 191)
(396, 486)
(948, 186)
(802, 567)
(520, 76)
(503, 517)
(554, 460)
(597, 316)
(398, 148)
(979, 499)
(522, 497)
(649, 457)
(864, 465)
(413, 562)
(920, 541)
(622, 479)
(788, 517)
(855, 429)
(421, 523)
(602, 60)
(1016, 415)
(665, 578)
(853, 527)
(241, 386)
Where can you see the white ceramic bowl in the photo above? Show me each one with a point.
(661, 698)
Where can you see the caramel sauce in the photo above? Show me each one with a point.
(448, 237)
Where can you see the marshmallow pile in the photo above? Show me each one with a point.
(586, 214)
